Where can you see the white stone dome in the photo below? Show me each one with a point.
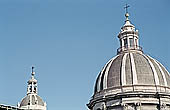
(32, 99)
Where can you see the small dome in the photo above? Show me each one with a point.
(32, 99)
(132, 69)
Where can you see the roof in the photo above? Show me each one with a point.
(8, 107)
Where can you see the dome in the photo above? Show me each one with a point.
(133, 69)
(32, 99)
(131, 80)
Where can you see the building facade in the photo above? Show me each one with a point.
(131, 80)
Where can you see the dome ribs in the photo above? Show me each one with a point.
(123, 72)
(161, 74)
(166, 74)
(102, 77)
(95, 90)
(98, 81)
(144, 71)
(114, 73)
(128, 71)
(133, 68)
(107, 72)
(155, 74)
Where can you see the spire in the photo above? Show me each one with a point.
(32, 84)
(127, 21)
(126, 14)
(128, 36)
(33, 73)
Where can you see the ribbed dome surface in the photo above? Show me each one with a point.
(32, 99)
(129, 69)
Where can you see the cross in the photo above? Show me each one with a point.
(126, 8)
(33, 69)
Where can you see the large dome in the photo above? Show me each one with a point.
(131, 80)
(131, 71)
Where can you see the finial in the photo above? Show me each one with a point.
(126, 9)
(33, 73)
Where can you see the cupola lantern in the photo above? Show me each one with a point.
(128, 36)
(32, 84)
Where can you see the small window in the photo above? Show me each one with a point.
(131, 41)
(30, 88)
(125, 43)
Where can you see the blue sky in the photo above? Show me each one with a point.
(69, 41)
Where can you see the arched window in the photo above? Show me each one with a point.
(98, 109)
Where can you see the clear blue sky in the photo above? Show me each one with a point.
(69, 41)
